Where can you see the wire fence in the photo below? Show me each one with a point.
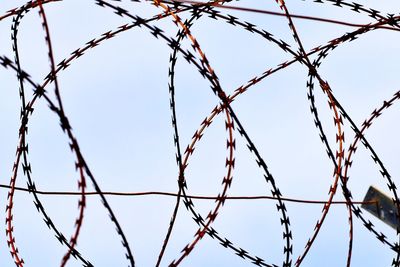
(186, 14)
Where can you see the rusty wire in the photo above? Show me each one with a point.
(174, 10)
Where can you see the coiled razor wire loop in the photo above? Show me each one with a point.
(341, 158)
(30, 183)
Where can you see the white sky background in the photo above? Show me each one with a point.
(116, 99)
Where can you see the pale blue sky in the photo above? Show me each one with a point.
(116, 98)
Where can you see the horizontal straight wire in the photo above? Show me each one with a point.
(155, 193)
(267, 12)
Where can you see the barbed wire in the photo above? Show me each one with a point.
(196, 57)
